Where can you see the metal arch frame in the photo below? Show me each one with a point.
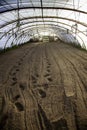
(48, 21)
(34, 26)
(39, 17)
(34, 22)
(20, 36)
(35, 33)
(37, 22)
(53, 24)
(27, 31)
(51, 16)
(56, 26)
(13, 39)
(49, 24)
(38, 7)
(21, 39)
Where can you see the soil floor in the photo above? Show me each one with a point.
(43, 86)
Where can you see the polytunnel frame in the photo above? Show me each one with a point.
(57, 29)
(37, 17)
(49, 24)
(57, 8)
(37, 7)
(31, 27)
(45, 21)
(46, 17)
(49, 17)
(56, 33)
(62, 8)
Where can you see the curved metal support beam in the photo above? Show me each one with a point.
(42, 26)
(22, 34)
(33, 27)
(26, 31)
(35, 22)
(47, 21)
(53, 24)
(39, 17)
(38, 7)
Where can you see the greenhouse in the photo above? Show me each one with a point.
(19, 20)
(43, 64)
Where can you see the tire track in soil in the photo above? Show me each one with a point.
(81, 65)
(80, 53)
(68, 108)
(33, 114)
(81, 60)
(33, 103)
(57, 85)
(41, 116)
(80, 75)
(52, 127)
(56, 124)
(13, 93)
(83, 101)
(30, 102)
(80, 84)
(38, 95)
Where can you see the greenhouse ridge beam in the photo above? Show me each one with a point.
(61, 8)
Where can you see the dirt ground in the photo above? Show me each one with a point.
(43, 87)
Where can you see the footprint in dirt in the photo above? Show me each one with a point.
(16, 98)
(42, 93)
(48, 67)
(60, 125)
(49, 79)
(14, 79)
(47, 75)
(17, 69)
(19, 106)
(23, 86)
(48, 70)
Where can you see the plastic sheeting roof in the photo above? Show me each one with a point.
(21, 19)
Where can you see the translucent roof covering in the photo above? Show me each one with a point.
(22, 19)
